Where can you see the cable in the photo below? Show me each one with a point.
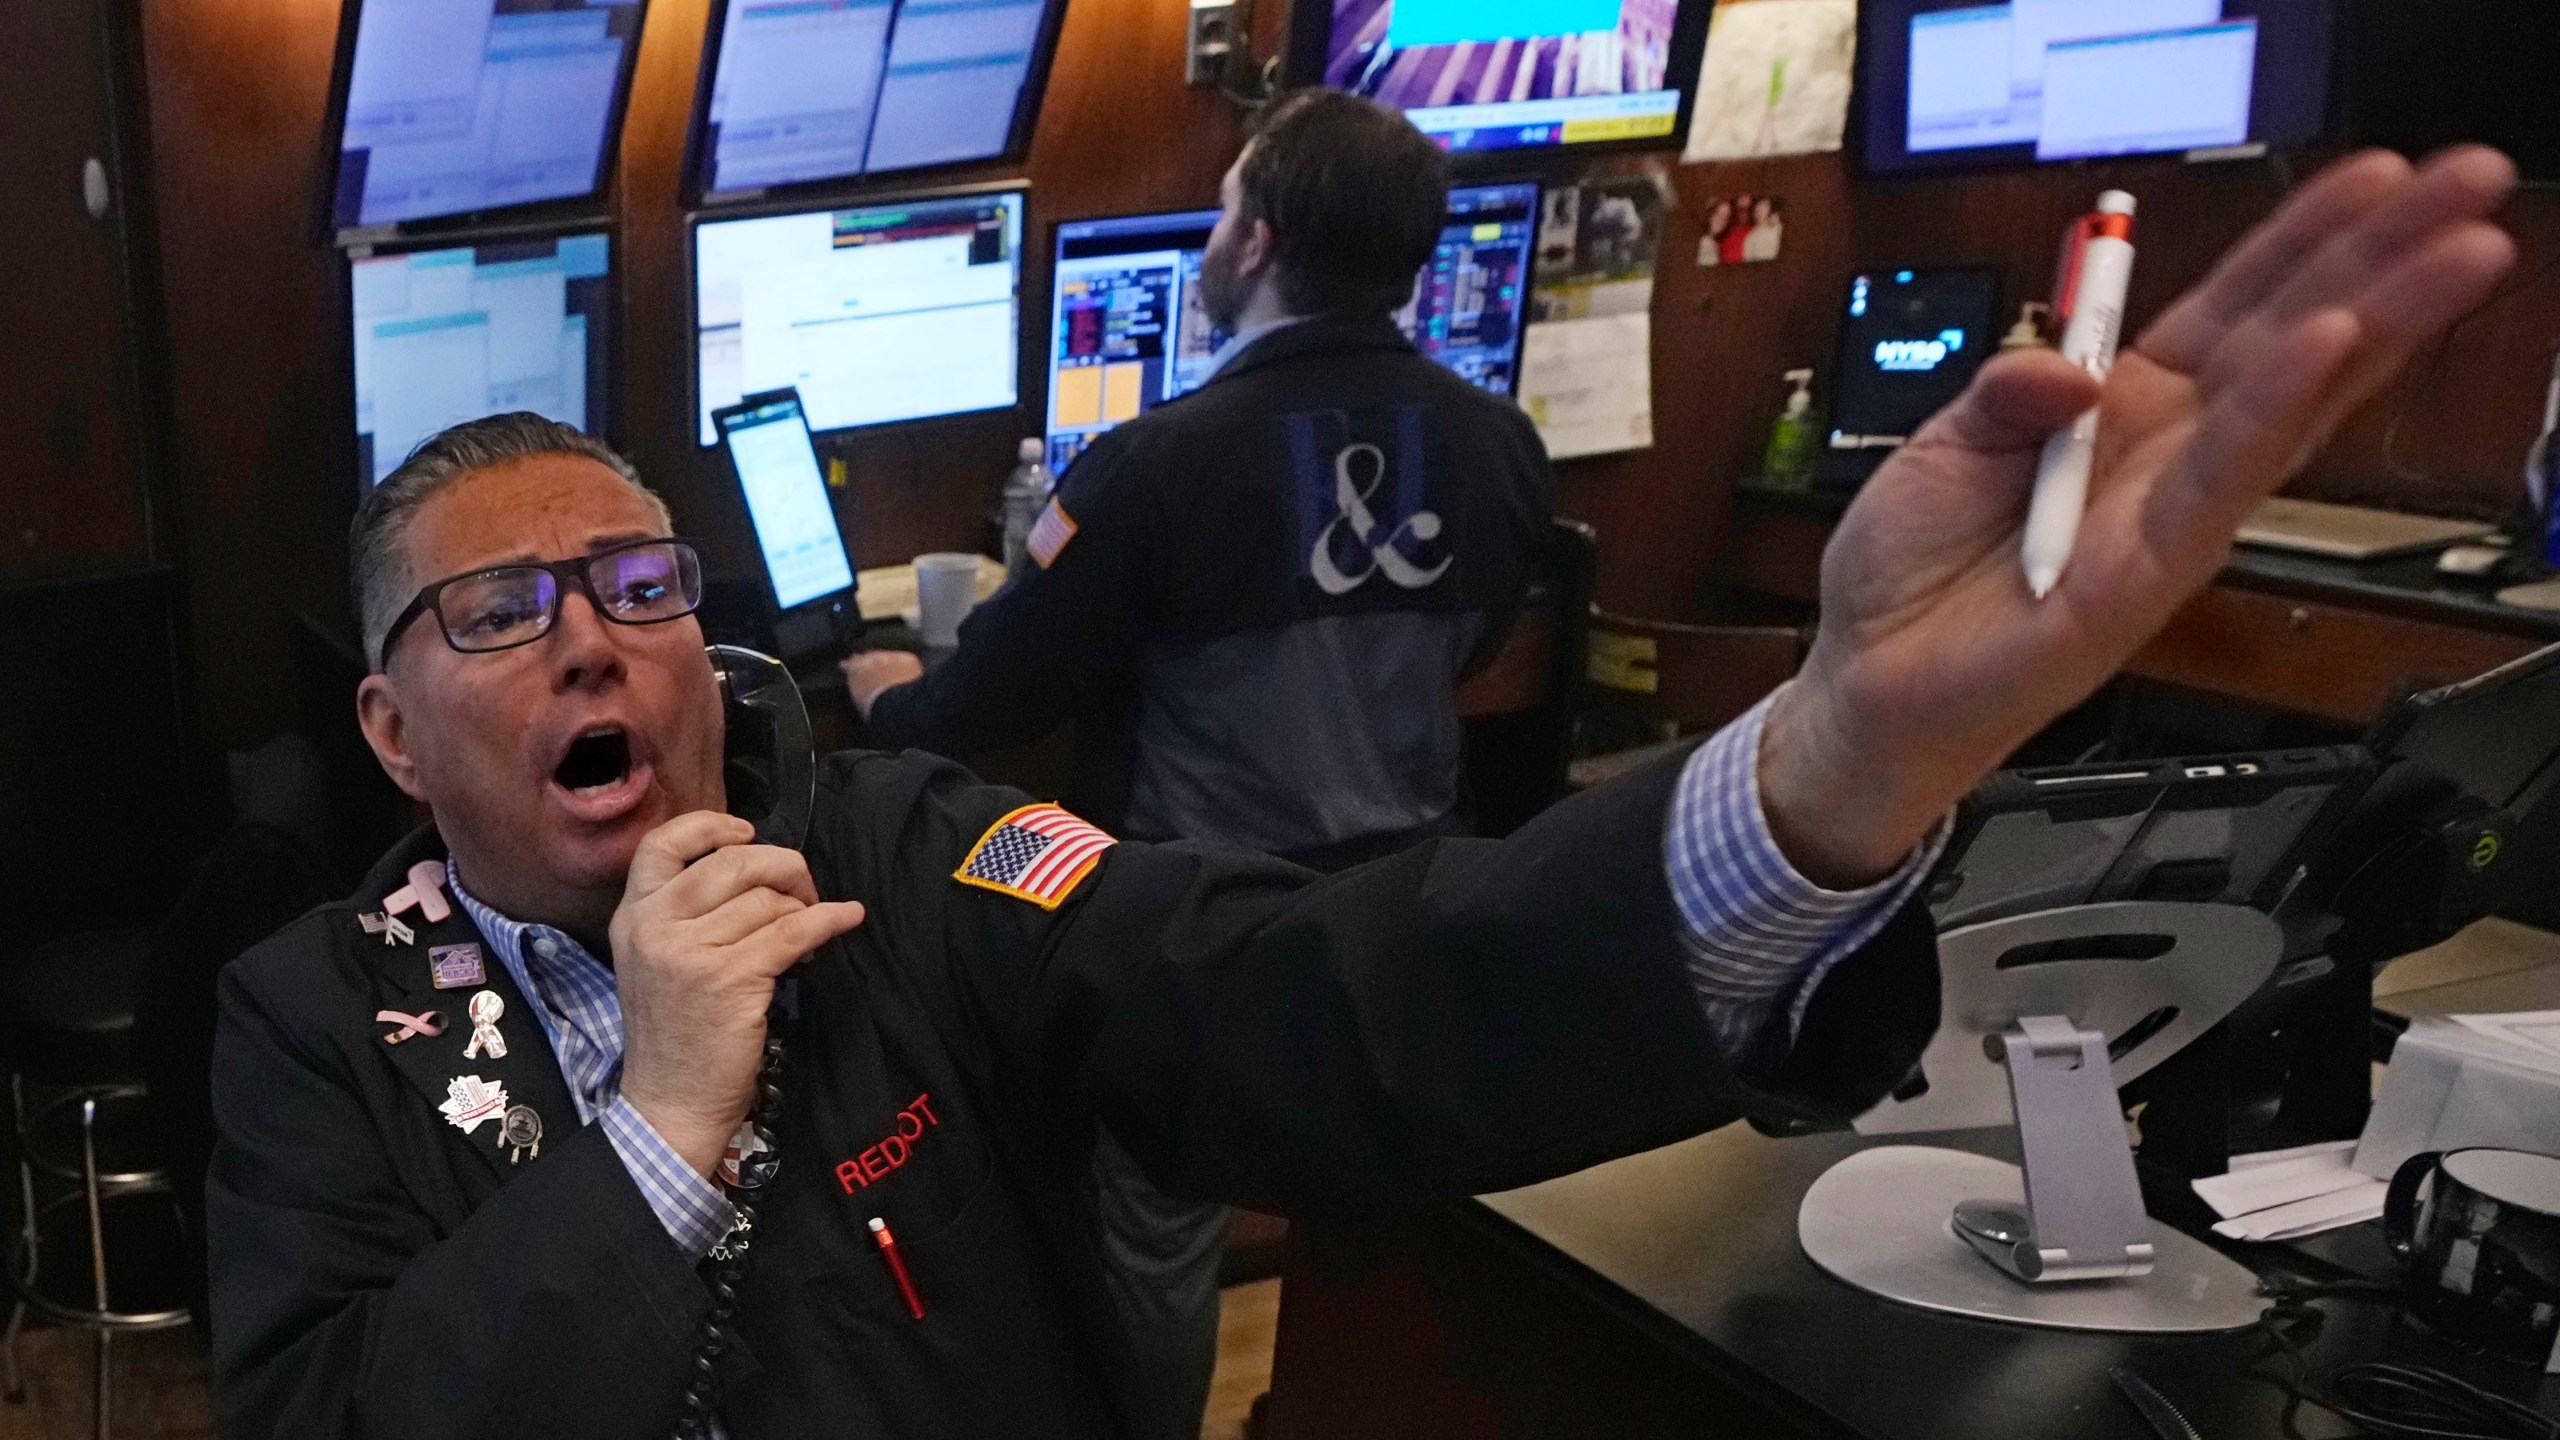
(2383, 1401)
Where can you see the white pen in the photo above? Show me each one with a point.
(2088, 341)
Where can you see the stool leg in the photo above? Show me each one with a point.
(97, 1251)
(13, 1385)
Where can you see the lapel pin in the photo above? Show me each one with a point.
(470, 1100)
(521, 1133)
(750, 1160)
(387, 926)
(454, 966)
(425, 891)
(486, 1007)
(430, 1023)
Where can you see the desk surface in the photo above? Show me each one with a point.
(1702, 1235)
(2408, 585)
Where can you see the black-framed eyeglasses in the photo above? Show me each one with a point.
(647, 582)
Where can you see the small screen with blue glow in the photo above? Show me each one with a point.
(1910, 340)
(795, 524)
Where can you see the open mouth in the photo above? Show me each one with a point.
(596, 762)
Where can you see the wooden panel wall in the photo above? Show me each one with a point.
(1723, 335)
(238, 88)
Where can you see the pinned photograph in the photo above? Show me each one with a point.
(1743, 230)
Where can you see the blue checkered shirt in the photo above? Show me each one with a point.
(574, 998)
(1760, 937)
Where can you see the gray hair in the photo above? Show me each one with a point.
(377, 544)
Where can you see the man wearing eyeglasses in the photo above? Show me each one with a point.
(475, 1122)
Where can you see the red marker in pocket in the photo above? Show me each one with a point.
(897, 1265)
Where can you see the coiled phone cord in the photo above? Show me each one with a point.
(729, 1256)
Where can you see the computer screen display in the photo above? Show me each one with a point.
(795, 525)
(1497, 76)
(874, 314)
(1949, 83)
(1470, 302)
(1910, 341)
(447, 335)
(1127, 332)
(459, 107)
(1126, 329)
(806, 90)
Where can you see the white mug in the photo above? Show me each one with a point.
(946, 588)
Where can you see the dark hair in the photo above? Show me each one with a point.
(1355, 197)
(377, 543)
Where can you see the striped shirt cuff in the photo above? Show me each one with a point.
(693, 1210)
(1761, 937)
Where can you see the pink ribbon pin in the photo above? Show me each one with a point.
(431, 1023)
(425, 890)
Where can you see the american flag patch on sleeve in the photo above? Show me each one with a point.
(1039, 853)
(1050, 534)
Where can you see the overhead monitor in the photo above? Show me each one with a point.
(1513, 73)
(454, 333)
(1127, 331)
(1910, 341)
(875, 313)
(801, 91)
(449, 109)
(1470, 302)
(1949, 84)
(806, 569)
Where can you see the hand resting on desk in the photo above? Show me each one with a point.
(1934, 662)
(868, 672)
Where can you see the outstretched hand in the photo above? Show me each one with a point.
(1934, 662)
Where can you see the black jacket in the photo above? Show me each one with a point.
(1272, 587)
(1463, 1017)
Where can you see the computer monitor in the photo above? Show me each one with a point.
(1910, 340)
(874, 313)
(453, 333)
(807, 571)
(457, 109)
(1948, 84)
(1470, 302)
(800, 91)
(1127, 332)
(1126, 329)
(1475, 76)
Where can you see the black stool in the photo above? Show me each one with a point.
(66, 1028)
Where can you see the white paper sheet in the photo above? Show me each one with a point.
(1588, 384)
(1774, 79)
(2250, 1188)
(2351, 1206)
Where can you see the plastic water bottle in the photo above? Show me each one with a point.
(1026, 493)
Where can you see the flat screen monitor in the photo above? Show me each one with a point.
(776, 462)
(802, 91)
(876, 313)
(1470, 302)
(1910, 341)
(454, 333)
(1948, 84)
(1127, 332)
(462, 108)
(1477, 76)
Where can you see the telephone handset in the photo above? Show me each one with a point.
(769, 762)
(768, 757)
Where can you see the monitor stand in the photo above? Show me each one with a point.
(2063, 1243)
